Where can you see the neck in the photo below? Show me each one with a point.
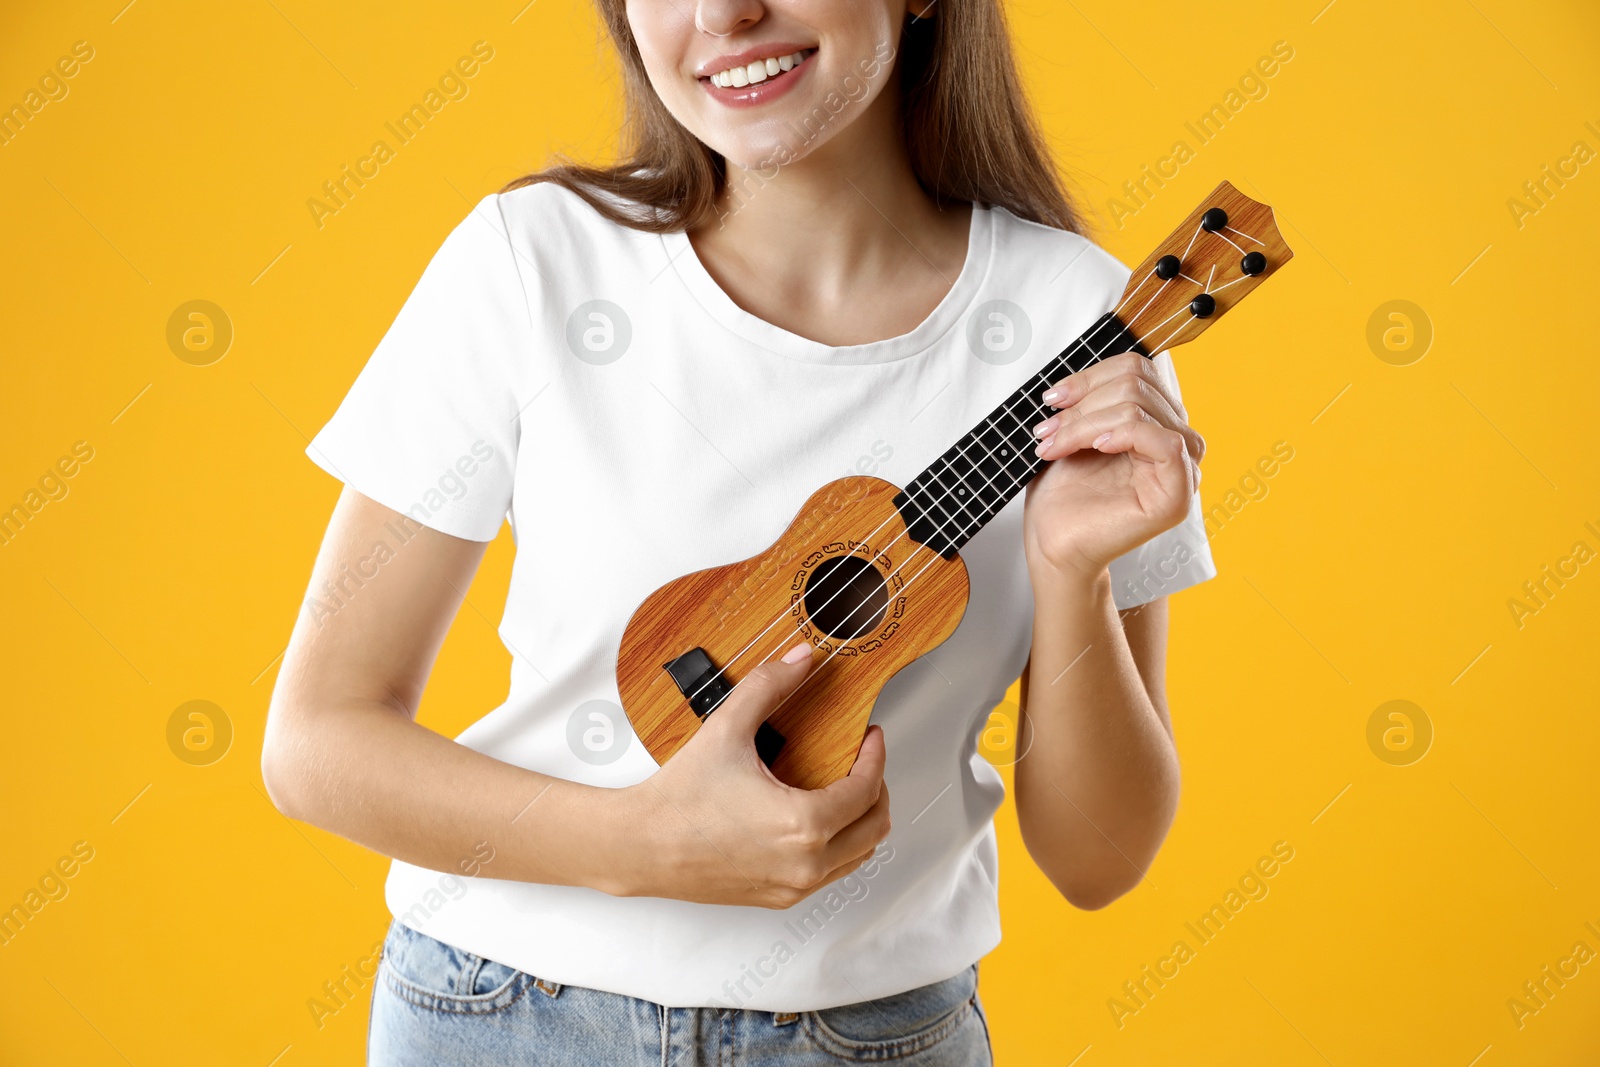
(957, 494)
(854, 202)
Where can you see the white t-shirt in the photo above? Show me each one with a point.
(595, 385)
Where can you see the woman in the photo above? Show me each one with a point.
(837, 243)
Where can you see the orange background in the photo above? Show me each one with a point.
(1378, 566)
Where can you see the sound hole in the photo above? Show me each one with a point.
(845, 597)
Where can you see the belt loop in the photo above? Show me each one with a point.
(785, 1018)
(549, 989)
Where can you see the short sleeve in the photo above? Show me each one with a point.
(429, 427)
(1170, 561)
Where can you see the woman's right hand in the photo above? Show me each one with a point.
(721, 829)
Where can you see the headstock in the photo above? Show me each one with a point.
(1202, 270)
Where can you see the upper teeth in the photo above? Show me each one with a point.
(759, 71)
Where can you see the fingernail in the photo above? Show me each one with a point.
(1051, 395)
(797, 653)
(1042, 445)
(1044, 428)
(1102, 439)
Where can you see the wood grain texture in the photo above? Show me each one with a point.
(1156, 311)
(724, 609)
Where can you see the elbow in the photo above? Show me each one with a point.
(282, 773)
(1092, 894)
(1087, 883)
(1086, 878)
(1090, 870)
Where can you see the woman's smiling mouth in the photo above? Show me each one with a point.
(755, 75)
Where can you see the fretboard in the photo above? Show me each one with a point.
(978, 475)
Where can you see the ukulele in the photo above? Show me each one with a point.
(869, 572)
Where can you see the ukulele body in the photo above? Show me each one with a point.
(846, 578)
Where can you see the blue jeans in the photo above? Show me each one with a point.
(434, 1004)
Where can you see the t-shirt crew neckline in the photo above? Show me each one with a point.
(758, 331)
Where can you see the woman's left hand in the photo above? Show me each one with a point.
(1125, 463)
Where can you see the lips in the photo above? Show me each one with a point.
(755, 75)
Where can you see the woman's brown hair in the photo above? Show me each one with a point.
(968, 129)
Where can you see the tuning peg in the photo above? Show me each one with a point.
(1213, 220)
(1253, 263)
(1167, 267)
(1203, 305)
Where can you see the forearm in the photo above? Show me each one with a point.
(342, 751)
(367, 772)
(1098, 786)
(710, 827)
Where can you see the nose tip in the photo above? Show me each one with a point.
(723, 18)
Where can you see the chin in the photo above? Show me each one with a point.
(782, 136)
(764, 156)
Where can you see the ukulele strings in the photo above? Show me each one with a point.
(1020, 423)
(988, 454)
(979, 523)
(947, 463)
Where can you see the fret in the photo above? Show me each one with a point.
(1004, 447)
(958, 493)
(962, 480)
(954, 493)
